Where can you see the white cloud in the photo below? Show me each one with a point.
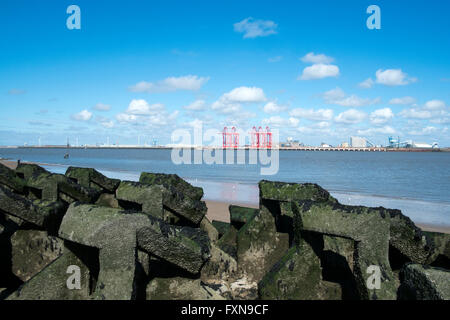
(372, 131)
(107, 124)
(393, 77)
(141, 107)
(402, 101)
(316, 58)
(245, 94)
(424, 131)
(273, 107)
(277, 121)
(381, 116)
(189, 83)
(252, 28)
(311, 114)
(435, 105)
(84, 115)
(337, 96)
(102, 107)
(230, 102)
(414, 113)
(124, 117)
(351, 116)
(197, 105)
(366, 84)
(319, 71)
(322, 127)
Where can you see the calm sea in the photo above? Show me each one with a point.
(417, 183)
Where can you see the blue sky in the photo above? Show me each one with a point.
(312, 70)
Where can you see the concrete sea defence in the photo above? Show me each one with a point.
(84, 236)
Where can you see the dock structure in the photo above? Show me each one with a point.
(354, 149)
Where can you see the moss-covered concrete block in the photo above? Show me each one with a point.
(441, 242)
(283, 191)
(43, 214)
(154, 199)
(28, 170)
(421, 282)
(52, 282)
(32, 251)
(221, 226)
(228, 242)
(114, 234)
(207, 226)
(241, 215)
(10, 179)
(406, 238)
(178, 288)
(366, 226)
(220, 267)
(88, 177)
(173, 180)
(259, 245)
(108, 200)
(296, 276)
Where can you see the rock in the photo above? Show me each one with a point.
(365, 226)
(406, 238)
(424, 283)
(44, 214)
(228, 242)
(28, 170)
(152, 199)
(221, 227)
(32, 251)
(108, 200)
(241, 215)
(441, 241)
(173, 180)
(100, 227)
(188, 208)
(339, 248)
(277, 197)
(212, 232)
(188, 248)
(220, 267)
(282, 191)
(52, 187)
(180, 289)
(140, 197)
(296, 276)
(52, 282)
(244, 289)
(114, 233)
(10, 179)
(3, 293)
(88, 177)
(260, 246)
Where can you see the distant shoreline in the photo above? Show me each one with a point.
(306, 148)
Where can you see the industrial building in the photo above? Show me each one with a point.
(358, 142)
